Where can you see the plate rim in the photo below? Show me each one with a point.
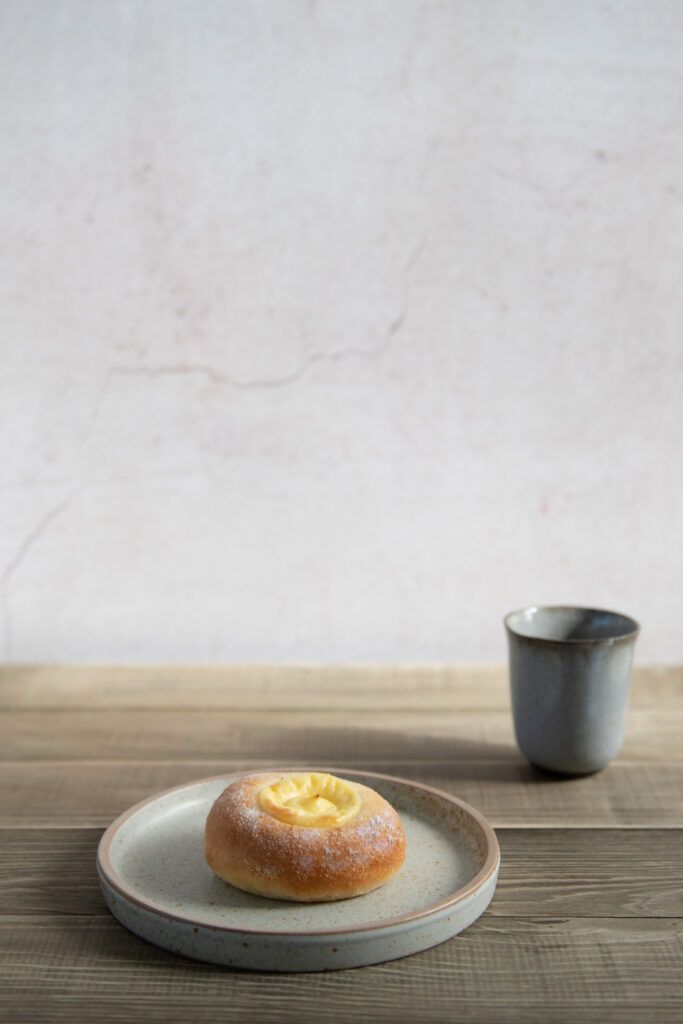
(488, 870)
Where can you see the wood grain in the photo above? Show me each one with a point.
(342, 736)
(84, 793)
(544, 873)
(293, 735)
(590, 873)
(586, 923)
(288, 687)
(71, 969)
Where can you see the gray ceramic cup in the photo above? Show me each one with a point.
(570, 677)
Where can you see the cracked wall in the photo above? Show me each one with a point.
(335, 331)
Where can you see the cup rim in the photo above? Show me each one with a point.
(630, 635)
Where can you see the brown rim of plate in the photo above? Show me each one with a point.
(562, 641)
(490, 866)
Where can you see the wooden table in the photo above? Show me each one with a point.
(586, 923)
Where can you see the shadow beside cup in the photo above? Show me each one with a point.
(570, 678)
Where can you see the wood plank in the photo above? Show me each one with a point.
(343, 736)
(70, 969)
(287, 686)
(308, 736)
(590, 873)
(544, 872)
(249, 686)
(509, 793)
(50, 871)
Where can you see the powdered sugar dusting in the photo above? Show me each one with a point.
(271, 848)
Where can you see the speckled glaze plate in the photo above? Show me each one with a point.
(156, 882)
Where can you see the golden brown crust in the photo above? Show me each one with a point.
(256, 852)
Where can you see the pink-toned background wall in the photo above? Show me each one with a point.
(333, 331)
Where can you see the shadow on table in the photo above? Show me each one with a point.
(428, 758)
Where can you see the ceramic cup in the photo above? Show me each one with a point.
(570, 676)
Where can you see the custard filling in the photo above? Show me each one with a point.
(312, 799)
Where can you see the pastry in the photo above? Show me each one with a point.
(305, 836)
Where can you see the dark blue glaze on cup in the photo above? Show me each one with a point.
(570, 678)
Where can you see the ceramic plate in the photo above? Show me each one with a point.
(156, 882)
